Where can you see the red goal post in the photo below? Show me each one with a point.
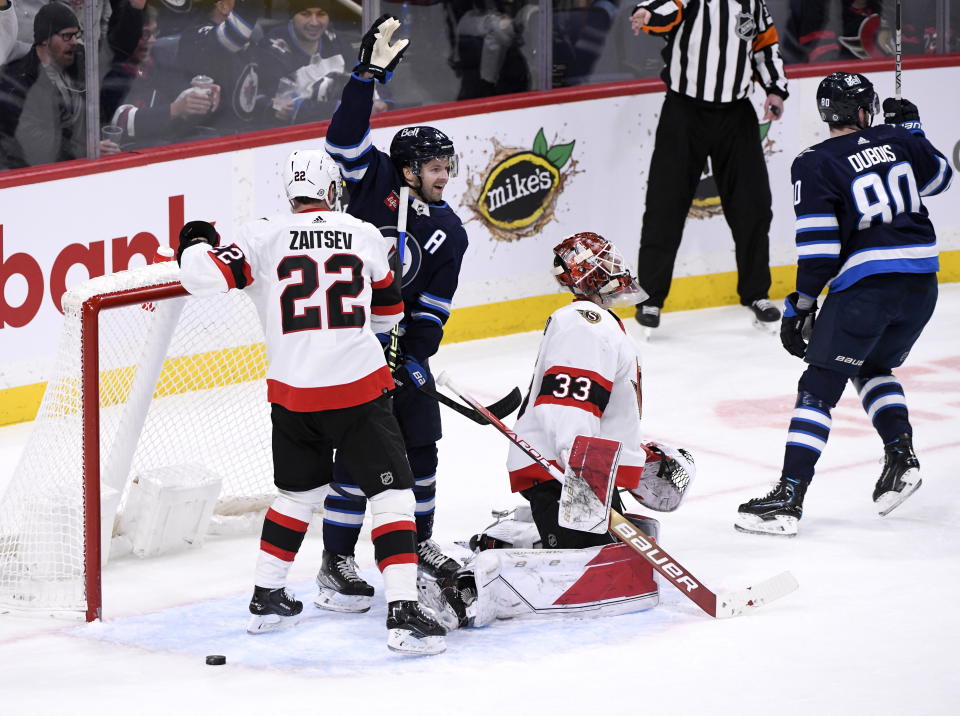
(156, 401)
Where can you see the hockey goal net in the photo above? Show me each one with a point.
(149, 386)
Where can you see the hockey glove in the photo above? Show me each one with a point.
(900, 111)
(377, 55)
(411, 373)
(196, 232)
(797, 325)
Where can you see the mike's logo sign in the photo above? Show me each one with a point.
(520, 187)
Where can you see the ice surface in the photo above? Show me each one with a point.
(872, 629)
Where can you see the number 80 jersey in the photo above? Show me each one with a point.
(586, 382)
(859, 205)
(323, 287)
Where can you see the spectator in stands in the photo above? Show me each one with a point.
(216, 44)
(304, 64)
(489, 59)
(8, 30)
(151, 103)
(42, 94)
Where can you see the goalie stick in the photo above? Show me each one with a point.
(719, 606)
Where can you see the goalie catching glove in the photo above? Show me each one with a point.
(799, 315)
(377, 55)
(197, 232)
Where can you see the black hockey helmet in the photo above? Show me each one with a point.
(412, 146)
(841, 95)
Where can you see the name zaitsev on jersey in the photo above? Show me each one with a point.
(322, 286)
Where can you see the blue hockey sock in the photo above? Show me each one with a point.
(885, 404)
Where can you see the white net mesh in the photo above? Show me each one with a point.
(208, 406)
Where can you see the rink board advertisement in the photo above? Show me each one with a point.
(529, 177)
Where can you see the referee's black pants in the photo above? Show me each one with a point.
(690, 131)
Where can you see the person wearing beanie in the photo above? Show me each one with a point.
(42, 94)
(9, 26)
(304, 65)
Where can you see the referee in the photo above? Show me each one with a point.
(715, 49)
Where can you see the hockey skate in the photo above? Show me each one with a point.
(766, 316)
(648, 317)
(900, 477)
(447, 603)
(341, 588)
(271, 608)
(435, 563)
(411, 631)
(778, 513)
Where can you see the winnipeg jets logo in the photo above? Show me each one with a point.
(412, 253)
(746, 26)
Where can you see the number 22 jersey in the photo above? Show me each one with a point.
(323, 287)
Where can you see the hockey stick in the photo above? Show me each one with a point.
(720, 606)
(394, 356)
(501, 408)
(898, 49)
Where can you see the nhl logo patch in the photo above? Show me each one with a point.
(746, 26)
(386, 478)
(590, 316)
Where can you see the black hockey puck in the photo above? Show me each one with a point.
(216, 660)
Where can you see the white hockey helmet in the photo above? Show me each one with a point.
(309, 173)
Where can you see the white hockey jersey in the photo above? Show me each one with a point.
(323, 287)
(586, 382)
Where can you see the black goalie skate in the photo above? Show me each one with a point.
(777, 513)
(900, 477)
(410, 630)
(270, 608)
(341, 589)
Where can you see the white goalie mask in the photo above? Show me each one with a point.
(309, 173)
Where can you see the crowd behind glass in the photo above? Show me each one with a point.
(168, 71)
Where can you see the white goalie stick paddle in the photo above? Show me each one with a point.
(720, 606)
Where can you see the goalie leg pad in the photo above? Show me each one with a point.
(595, 581)
(667, 475)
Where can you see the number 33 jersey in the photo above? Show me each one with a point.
(859, 205)
(586, 382)
(323, 287)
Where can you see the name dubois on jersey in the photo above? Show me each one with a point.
(870, 156)
(317, 239)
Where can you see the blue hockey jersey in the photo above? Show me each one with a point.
(436, 239)
(859, 208)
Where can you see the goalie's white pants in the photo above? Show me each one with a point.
(590, 582)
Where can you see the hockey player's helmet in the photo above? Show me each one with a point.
(308, 173)
(412, 146)
(592, 267)
(842, 94)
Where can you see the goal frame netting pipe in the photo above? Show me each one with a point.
(90, 312)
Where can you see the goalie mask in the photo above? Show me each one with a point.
(308, 173)
(593, 268)
(412, 146)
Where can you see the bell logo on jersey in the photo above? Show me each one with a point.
(519, 192)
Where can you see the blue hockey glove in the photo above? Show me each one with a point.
(411, 373)
(196, 232)
(797, 325)
(377, 55)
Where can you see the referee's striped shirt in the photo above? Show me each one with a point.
(716, 48)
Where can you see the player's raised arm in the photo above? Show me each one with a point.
(206, 267)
